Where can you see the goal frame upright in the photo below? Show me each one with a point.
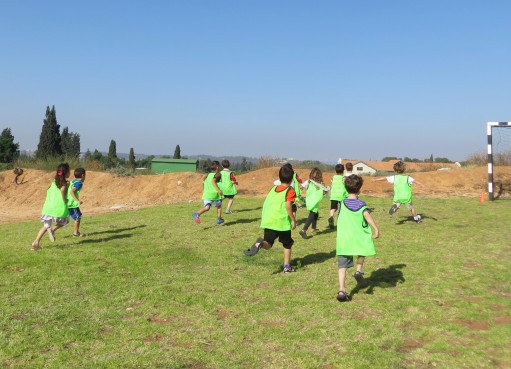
(489, 131)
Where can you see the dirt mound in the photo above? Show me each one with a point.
(103, 192)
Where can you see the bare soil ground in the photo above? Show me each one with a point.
(103, 192)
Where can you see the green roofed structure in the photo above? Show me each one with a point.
(163, 165)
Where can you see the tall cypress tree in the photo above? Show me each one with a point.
(70, 143)
(131, 159)
(112, 150)
(177, 153)
(49, 141)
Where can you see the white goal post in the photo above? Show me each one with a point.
(490, 126)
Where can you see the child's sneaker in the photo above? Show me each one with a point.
(220, 221)
(228, 211)
(254, 249)
(79, 234)
(303, 234)
(196, 217)
(288, 269)
(393, 209)
(51, 234)
(331, 222)
(418, 218)
(359, 277)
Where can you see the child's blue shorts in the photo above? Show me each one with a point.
(75, 213)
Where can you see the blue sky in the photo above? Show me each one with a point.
(313, 80)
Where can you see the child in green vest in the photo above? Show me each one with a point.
(314, 195)
(354, 236)
(296, 185)
(55, 206)
(227, 185)
(278, 219)
(73, 200)
(402, 190)
(212, 195)
(337, 193)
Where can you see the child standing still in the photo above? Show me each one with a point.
(337, 193)
(402, 190)
(315, 193)
(354, 236)
(278, 219)
(227, 185)
(73, 200)
(212, 195)
(55, 206)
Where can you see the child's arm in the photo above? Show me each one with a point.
(380, 179)
(73, 195)
(63, 191)
(214, 181)
(369, 219)
(419, 183)
(233, 179)
(290, 214)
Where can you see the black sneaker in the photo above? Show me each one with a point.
(288, 269)
(303, 234)
(254, 249)
(331, 222)
(342, 296)
(393, 209)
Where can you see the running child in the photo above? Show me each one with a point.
(73, 200)
(227, 185)
(212, 195)
(337, 193)
(55, 206)
(278, 219)
(354, 236)
(315, 193)
(402, 190)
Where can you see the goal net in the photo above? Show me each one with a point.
(499, 160)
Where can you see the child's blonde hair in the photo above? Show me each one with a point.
(316, 175)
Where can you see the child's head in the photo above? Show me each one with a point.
(316, 175)
(353, 183)
(63, 172)
(215, 166)
(399, 167)
(289, 165)
(349, 167)
(79, 173)
(286, 174)
(225, 163)
(339, 169)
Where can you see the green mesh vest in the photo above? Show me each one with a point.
(226, 184)
(402, 189)
(354, 235)
(274, 214)
(210, 190)
(338, 191)
(71, 202)
(297, 188)
(313, 198)
(54, 205)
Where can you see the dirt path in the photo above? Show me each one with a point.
(104, 192)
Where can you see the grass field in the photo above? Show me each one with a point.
(151, 289)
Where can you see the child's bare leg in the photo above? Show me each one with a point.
(332, 212)
(204, 209)
(287, 256)
(360, 263)
(40, 235)
(219, 212)
(342, 279)
(229, 203)
(413, 211)
(77, 226)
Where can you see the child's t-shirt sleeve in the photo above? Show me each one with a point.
(390, 179)
(410, 180)
(233, 178)
(78, 185)
(291, 195)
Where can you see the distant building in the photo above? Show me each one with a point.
(163, 165)
(368, 167)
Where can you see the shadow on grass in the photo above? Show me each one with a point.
(115, 230)
(240, 221)
(236, 211)
(320, 257)
(410, 219)
(382, 278)
(110, 238)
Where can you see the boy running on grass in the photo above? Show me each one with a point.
(354, 236)
(278, 219)
(212, 195)
(227, 185)
(73, 200)
(337, 193)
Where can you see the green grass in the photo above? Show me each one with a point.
(151, 289)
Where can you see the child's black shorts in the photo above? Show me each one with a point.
(284, 237)
(334, 204)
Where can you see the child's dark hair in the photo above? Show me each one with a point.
(286, 174)
(353, 183)
(288, 165)
(349, 167)
(316, 175)
(399, 167)
(215, 165)
(79, 172)
(62, 174)
(339, 169)
(226, 163)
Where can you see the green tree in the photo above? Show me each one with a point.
(87, 155)
(131, 160)
(70, 143)
(177, 152)
(389, 158)
(49, 140)
(96, 155)
(112, 150)
(9, 151)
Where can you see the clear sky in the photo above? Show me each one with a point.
(314, 80)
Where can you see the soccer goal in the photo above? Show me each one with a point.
(499, 160)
